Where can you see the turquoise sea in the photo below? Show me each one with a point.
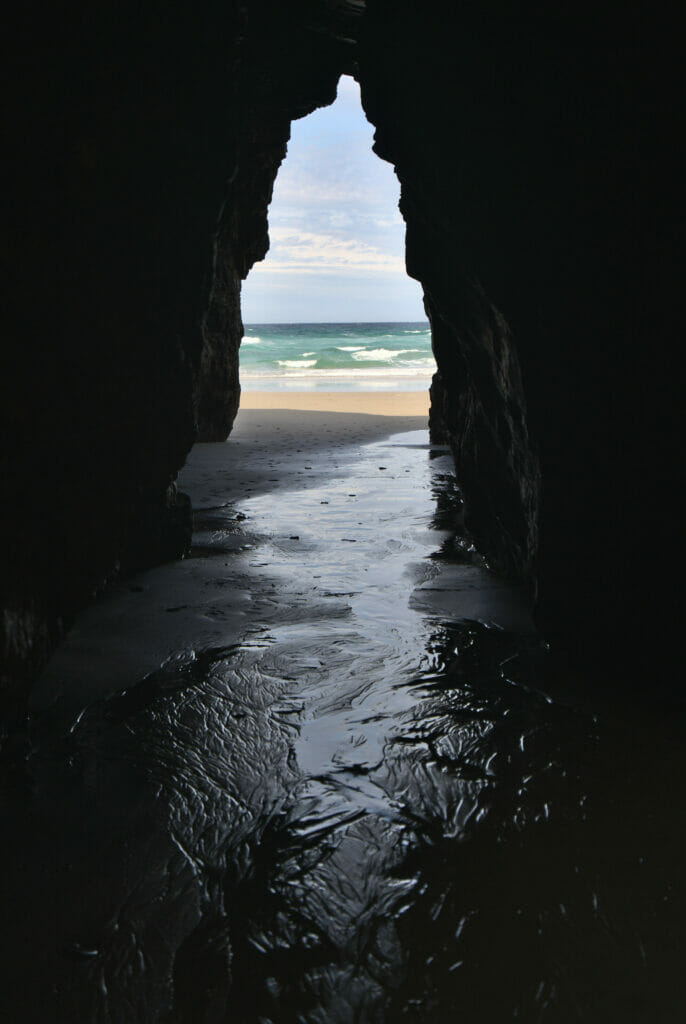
(337, 357)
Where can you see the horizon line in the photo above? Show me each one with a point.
(283, 323)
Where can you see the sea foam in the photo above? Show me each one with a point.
(356, 373)
(380, 354)
(353, 356)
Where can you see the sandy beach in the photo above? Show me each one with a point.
(280, 441)
(320, 419)
(382, 403)
(276, 433)
(289, 687)
(283, 448)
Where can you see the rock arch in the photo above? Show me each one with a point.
(537, 166)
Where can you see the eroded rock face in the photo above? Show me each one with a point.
(142, 155)
(117, 171)
(536, 159)
(288, 68)
(534, 153)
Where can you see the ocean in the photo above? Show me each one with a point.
(337, 357)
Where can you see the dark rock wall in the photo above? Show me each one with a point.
(290, 65)
(425, 92)
(119, 145)
(143, 142)
(536, 152)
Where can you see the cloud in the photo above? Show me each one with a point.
(317, 252)
(390, 222)
(331, 184)
(340, 220)
(337, 239)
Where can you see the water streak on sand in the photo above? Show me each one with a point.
(345, 810)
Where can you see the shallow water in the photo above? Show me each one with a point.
(360, 810)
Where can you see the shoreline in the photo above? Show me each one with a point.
(287, 421)
(130, 631)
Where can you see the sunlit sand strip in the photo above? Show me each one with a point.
(387, 403)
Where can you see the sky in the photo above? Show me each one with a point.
(337, 237)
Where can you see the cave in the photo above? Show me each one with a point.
(536, 193)
(536, 153)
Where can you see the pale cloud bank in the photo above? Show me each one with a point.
(309, 251)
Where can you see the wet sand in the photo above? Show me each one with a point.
(291, 778)
(280, 439)
(140, 623)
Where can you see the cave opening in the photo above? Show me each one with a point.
(331, 307)
(246, 786)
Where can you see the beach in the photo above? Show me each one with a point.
(313, 720)
(367, 403)
(283, 446)
(280, 442)
(264, 706)
(317, 420)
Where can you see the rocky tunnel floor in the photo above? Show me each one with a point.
(295, 778)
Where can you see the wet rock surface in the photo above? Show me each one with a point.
(337, 803)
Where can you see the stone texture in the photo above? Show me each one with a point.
(116, 171)
(270, 93)
(535, 149)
